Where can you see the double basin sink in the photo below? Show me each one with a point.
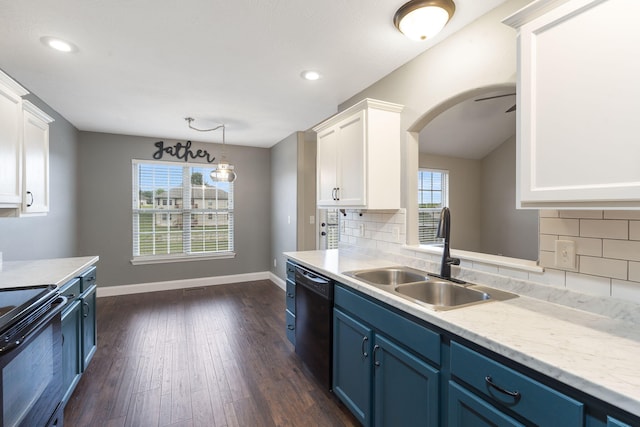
(428, 290)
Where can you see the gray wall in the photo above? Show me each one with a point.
(480, 55)
(53, 235)
(294, 197)
(284, 218)
(505, 229)
(464, 198)
(105, 218)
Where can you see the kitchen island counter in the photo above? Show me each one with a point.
(56, 271)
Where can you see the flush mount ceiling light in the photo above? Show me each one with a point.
(59, 44)
(423, 19)
(223, 171)
(310, 75)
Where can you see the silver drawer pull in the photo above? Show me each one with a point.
(515, 394)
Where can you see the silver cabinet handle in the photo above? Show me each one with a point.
(375, 348)
(515, 394)
(364, 340)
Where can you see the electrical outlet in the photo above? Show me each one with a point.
(361, 230)
(566, 254)
(312, 220)
(275, 262)
(396, 233)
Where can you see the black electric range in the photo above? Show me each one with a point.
(19, 307)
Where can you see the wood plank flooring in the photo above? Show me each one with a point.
(213, 356)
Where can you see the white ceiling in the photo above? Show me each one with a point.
(144, 65)
(471, 129)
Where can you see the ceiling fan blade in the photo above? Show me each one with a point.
(511, 109)
(493, 97)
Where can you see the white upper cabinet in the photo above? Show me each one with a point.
(578, 104)
(24, 153)
(10, 142)
(35, 179)
(358, 162)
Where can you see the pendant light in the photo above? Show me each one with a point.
(223, 171)
(423, 19)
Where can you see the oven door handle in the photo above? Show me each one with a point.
(56, 308)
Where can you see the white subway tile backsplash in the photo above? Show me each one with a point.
(634, 230)
(611, 229)
(634, 271)
(621, 249)
(585, 246)
(548, 242)
(550, 277)
(604, 267)
(628, 291)
(622, 215)
(592, 285)
(607, 248)
(547, 259)
(548, 213)
(559, 226)
(581, 214)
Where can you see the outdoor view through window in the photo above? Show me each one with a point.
(179, 211)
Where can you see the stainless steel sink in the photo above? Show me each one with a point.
(442, 294)
(389, 276)
(426, 289)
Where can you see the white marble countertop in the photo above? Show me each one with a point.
(592, 353)
(44, 271)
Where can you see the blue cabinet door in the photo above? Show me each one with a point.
(71, 354)
(468, 410)
(612, 422)
(89, 326)
(352, 343)
(406, 388)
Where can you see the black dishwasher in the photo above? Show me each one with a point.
(314, 325)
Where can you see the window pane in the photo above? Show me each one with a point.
(178, 209)
(432, 197)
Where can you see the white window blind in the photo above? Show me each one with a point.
(433, 195)
(179, 211)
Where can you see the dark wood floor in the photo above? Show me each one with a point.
(213, 356)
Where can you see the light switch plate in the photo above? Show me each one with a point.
(566, 254)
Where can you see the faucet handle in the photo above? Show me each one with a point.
(453, 261)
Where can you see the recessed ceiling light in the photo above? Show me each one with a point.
(59, 44)
(310, 75)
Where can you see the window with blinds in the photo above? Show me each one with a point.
(179, 211)
(433, 195)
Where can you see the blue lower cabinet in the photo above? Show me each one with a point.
(352, 344)
(406, 388)
(468, 410)
(89, 326)
(380, 382)
(71, 351)
(612, 422)
(512, 392)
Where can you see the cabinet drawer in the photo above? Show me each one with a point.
(534, 401)
(291, 271)
(71, 289)
(88, 279)
(291, 327)
(291, 296)
(416, 337)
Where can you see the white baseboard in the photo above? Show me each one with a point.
(278, 281)
(110, 291)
